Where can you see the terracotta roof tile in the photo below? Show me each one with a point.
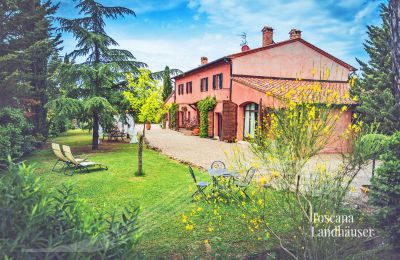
(335, 92)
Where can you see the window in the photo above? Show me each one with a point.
(250, 120)
(180, 89)
(188, 87)
(217, 81)
(204, 84)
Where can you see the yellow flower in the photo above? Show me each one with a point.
(199, 209)
(353, 189)
(210, 229)
(263, 181)
(184, 218)
(344, 108)
(275, 174)
(189, 227)
(206, 242)
(260, 202)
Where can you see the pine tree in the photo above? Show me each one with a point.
(167, 84)
(376, 87)
(95, 45)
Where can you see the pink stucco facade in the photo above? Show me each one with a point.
(237, 102)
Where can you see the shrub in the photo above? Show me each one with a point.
(15, 134)
(173, 110)
(205, 105)
(385, 190)
(39, 225)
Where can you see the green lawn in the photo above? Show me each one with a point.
(163, 195)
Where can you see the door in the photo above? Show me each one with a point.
(250, 120)
(219, 121)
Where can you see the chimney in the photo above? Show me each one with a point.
(267, 36)
(245, 47)
(203, 60)
(295, 34)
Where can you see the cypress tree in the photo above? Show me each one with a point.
(167, 84)
(376, 87)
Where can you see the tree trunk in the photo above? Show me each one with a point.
(140, 154)
(95, 132)
(394, 20)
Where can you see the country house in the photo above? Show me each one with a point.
(241, 83)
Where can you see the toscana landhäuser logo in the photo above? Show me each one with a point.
(338, 226)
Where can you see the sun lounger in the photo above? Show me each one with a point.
(61, 158)
(76, 165)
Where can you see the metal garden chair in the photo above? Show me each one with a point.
(201, 185)
(245, 183)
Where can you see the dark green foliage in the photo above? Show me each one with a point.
(39, 225)
(385, 191)
(15, 134)
(173, 110)
(167, 84)
(27, 42)
(376, 87)
(205, 105)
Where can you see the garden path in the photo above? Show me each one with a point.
(201, 152)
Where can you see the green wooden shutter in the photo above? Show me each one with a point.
(220, 81)
(214, 81)
(206, 84)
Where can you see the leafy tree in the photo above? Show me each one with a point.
(26, 44)
(95, 45)
(167, 84)
(146, 102)
(376, 88)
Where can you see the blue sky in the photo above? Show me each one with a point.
(177, 32)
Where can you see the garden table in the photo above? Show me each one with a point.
(216, 173)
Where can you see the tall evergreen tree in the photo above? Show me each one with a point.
(95, 45)
(167, 84)
(376, 87)
(26, 44)
(394, 18)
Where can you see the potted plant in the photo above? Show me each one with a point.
(196, 131)
(148, 125)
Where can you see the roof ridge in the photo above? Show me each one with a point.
(308, 44)
(286, 78)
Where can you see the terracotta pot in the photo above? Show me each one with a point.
(148, 126)
(196, 131)
(365, 189)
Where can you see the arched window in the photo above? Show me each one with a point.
(250, 120)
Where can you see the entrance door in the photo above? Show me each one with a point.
(181, 119)
(250, 120)
(219, 120)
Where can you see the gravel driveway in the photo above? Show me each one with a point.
(202, 152)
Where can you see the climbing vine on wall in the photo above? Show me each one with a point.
(205, 105)
(172, 114)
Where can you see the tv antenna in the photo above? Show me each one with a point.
(244, 40)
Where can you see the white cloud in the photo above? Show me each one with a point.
(183, 54)
(320, 26)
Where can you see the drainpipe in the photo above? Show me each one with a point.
(230, 85)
